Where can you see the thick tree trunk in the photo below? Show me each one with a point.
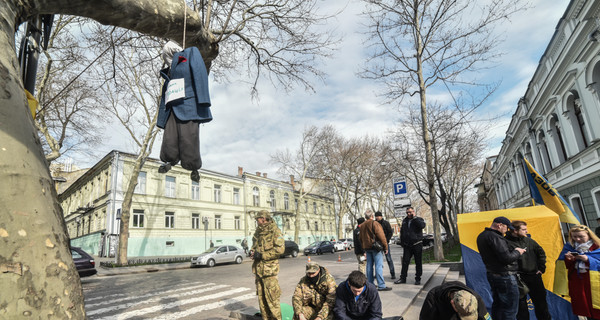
(38, 277)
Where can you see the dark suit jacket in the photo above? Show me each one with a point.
(188, 65)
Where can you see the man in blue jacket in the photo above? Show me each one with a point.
(357, 299)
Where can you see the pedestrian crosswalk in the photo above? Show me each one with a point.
(181, 301)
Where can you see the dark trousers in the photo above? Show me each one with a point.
(390, 262)
(409, 252)
(537, 293)
(181, 142)
(505, 294)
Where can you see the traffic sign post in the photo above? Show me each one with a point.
(401, 199)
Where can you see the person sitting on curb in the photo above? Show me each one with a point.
(357, 299)
(314, 296)
(453, 300)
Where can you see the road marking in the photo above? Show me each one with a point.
(153, 300)
(111, 299)
(209, 306)
(115, 296)
(175, 304)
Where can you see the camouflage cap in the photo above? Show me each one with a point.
(465, 304)
(312, 267)
(263, 214)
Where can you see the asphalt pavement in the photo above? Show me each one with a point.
(396, 302)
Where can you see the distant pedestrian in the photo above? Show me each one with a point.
(267, 246)
(212, 245)
(453, 300)
(245, 245)
(357, 299)
(501, 266)
(361, 256)
(532, 265)
(370, 232)
(314, 296)
(387, 229)
(411, 239)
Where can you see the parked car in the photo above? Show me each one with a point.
(339, 246)
(85, 264)
(319, 247)
(394, 239)
(219, 254)
(349, 243)
(427, 239)
(291, 249)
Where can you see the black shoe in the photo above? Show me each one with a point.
(164, 168)
(393, 277)
(195, 176)
(384, 289)
(399, 281)
(418, 282)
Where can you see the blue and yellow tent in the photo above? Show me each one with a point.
(544, 226)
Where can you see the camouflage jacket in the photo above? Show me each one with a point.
(269, 242)
(320, 295)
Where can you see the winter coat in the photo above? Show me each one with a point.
(411, 233)
(269, 242)
(189, 66)
(437, 303)
(495, 253)
(387, 229)
(366, 307)
(534, 259)
(358, 249)
(319, 296)
(370, 230)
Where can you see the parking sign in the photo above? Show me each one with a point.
(400, 188)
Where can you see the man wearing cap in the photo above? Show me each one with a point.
(314, 296)
(267, 246)
(387, 229)
(501, 265)
(357, 299)
(453, 300)
(361, 256)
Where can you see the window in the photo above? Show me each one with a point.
(296, 201)
(236, 195)
(329, 208)
(255, 197)
(217, 221)
(237, 223)
(170, 187)
(305, 205)
(307, 225)
(140, 188)
(170, 220)
(323, 225)
(272, 198)
(195, 190)
(217, 192)
(286, 201)
(578, 208)
(138, 218)
(195, 221)
(316, 226)
(322, 209)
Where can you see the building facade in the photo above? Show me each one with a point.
(555, 125)
(173, 215)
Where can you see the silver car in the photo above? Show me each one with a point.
(219, 254)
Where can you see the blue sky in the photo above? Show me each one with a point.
(245, 133)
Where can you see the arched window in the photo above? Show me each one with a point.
(272, 198)
(543, 150)
(577, 206)
(286, 201)
(255, 197)
(557, 137)
(577, 121)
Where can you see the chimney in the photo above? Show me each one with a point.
(264, 175)
(292, 179)
(258, 173)
(240, 171)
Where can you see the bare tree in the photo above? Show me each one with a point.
(42, 281)
(421, 44)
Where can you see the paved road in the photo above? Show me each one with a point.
(199, 293)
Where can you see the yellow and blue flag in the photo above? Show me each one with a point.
(543, 193)
(594, 271)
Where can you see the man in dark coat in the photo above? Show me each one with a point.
(411, 239)
(387, 229)
(501, 264)
(532, 265)
(452, 301)
(360, 253)
(357, 299)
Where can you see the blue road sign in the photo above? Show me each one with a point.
(400, 188)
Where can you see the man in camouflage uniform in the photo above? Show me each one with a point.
(267, 246)
(314, 296)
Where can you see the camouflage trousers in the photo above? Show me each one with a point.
(362, 265)
(268, 292)
(310, 313)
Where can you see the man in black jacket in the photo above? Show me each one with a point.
(501, 265)
(358, 249)
(532, 265)
(387, 229)
(357, 299)
(411, 238)
(453, 300)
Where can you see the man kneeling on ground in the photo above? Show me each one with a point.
(452, 301)
(314, 296)
(357, 299)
